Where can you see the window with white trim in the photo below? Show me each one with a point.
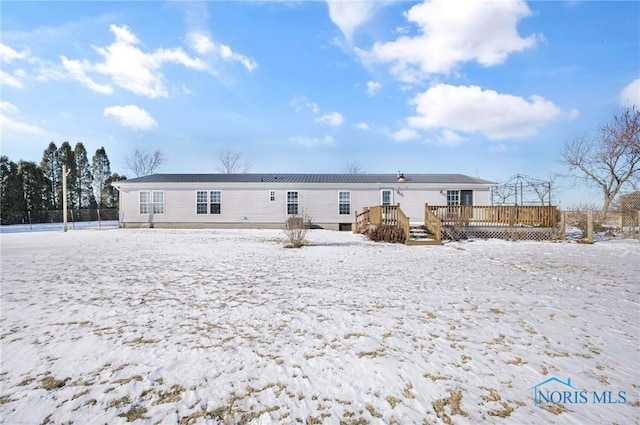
(344, 203)
(453, 197)
(151, 202)
(208, 202)
(201, 202)
(215, 196)
(272, 195)
(292, 202)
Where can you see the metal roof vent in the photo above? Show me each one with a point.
(400, 177)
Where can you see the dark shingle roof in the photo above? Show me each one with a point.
(306, 178)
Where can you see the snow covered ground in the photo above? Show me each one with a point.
(228, 326)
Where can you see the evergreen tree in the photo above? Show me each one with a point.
(51, 169)
(101, 170)
(84, 179)
(33, 186)
(10, 191)
(67, 157)
(113, 195)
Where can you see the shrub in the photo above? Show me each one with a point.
(296, 228)
(393, 234)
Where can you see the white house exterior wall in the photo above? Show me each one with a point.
(248, 204)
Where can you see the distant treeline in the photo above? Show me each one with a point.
(27, 188)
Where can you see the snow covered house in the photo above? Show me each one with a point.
(267, 200)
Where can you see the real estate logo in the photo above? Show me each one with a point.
(556, 391)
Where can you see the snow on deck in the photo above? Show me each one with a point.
(228, 326)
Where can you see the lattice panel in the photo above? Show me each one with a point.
(506, 233)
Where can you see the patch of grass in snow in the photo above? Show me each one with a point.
(26, 381)
(393, 401)
(452, 403)
(372, 411)
(517, 362)
(171, 396)
(127, 380)
(378, 353)
(134, 413)
(119, 402)
(435, 378)
(407, 392)
(142, 340)
(50, 383)
(502, 413)
(556, 409)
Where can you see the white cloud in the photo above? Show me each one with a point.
(373, 87)
(449, 138)
(333, 119)
(10, 80)
(8, 55)
(128, 67)
(405, 135)
(348, 15)
(473, 110)
(362, 126)
(301, 102)
(12, 126)
(452, 33)
(7, 107)
(77, 71)
(131, 116)
(202, 43)
(310, 142)
(630, 95)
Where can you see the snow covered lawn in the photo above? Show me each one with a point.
(228, 326)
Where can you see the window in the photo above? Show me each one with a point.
(216, 201)
(344, 203)
(385, 195)
(208, 202)
(292, 203)
(272, 195)
(151, 202)
(453, 197)
(201, 202)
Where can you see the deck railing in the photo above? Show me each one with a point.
(432, 223)
(381, 215)
(496, 215)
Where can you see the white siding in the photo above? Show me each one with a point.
(246, 203)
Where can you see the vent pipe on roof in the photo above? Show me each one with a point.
(400, 177)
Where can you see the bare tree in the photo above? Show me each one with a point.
(143, 163)
(610, 160)
(231, 162)
(354, 167)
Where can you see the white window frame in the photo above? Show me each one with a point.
(293, 202)
(272, 196)
(151, 205)
(453, 197)
(205, 204)
(382, 192)
(344, 201)
(212, 201)
(202, 203)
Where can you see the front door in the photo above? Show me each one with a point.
(466, 197)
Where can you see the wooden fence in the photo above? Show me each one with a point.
(381, 215)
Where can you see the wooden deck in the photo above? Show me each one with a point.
(452, 222)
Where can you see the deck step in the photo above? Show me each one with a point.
(420, 235)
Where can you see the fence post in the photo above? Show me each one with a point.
(563, 225)
(590, 226)
(638, 226)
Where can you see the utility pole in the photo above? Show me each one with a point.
(65, 173)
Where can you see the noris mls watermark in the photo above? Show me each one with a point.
(556, 391)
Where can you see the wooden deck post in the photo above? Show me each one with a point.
(563, 225)
(590, 226)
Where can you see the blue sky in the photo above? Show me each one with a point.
(487, 88)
